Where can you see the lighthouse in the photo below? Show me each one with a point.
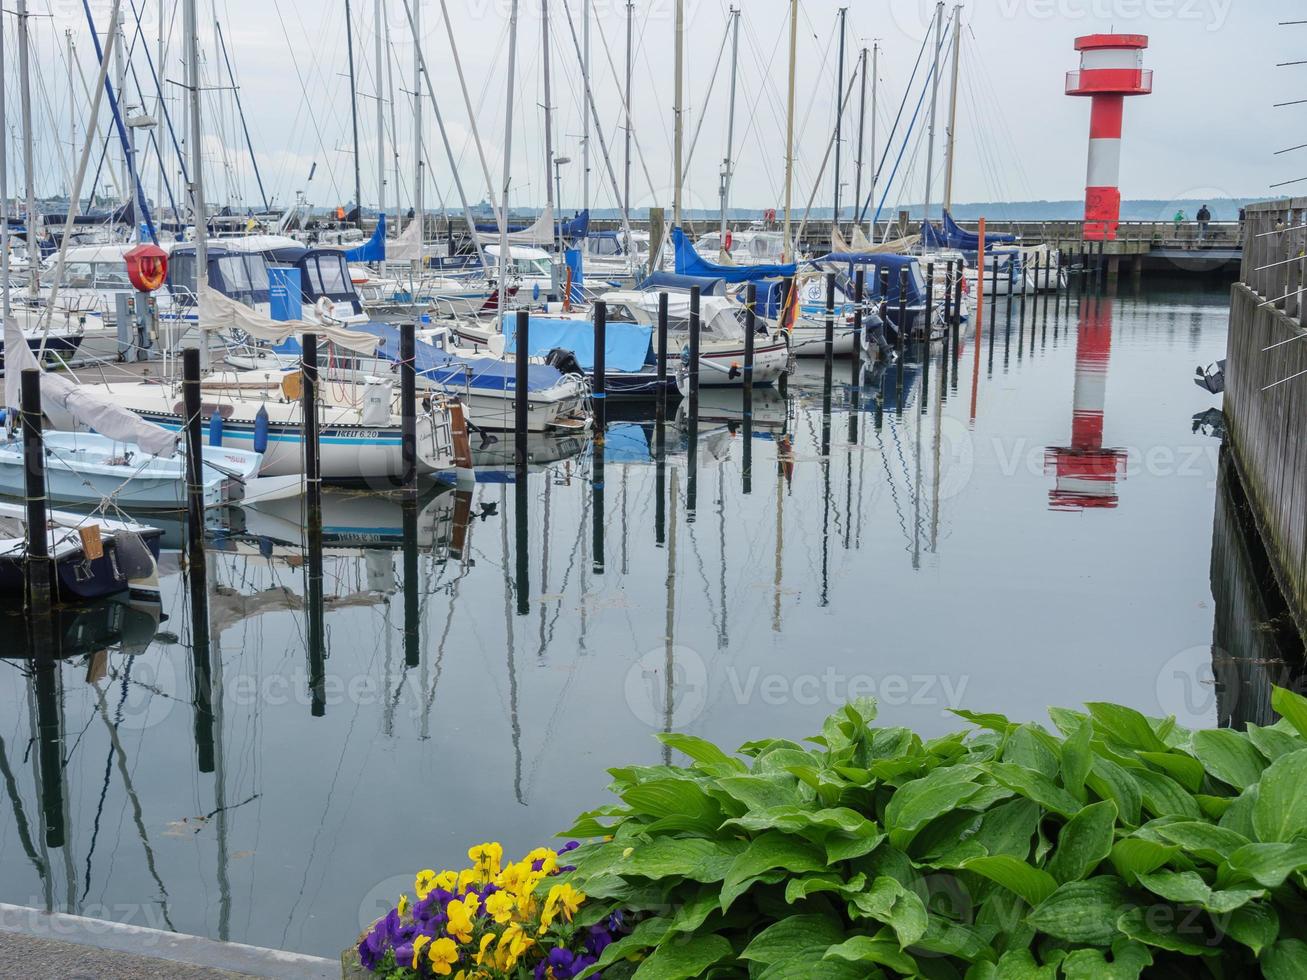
(1111, 68)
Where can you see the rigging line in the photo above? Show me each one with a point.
(236, 92)
(308, 102)
(626, 102)
(163, 103)
(712, 83)
(889, 141)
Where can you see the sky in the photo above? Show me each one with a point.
(1208, 129)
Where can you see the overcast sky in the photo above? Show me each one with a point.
(1208, 130)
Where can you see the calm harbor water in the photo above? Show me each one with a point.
(1028, 524)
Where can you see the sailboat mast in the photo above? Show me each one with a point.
(875, 92)
(29, 177)
(862, 130)
(788, 245)
(728, 165)
(934, 97)
(549, 147)
(394, 127)
(678, 112)
(354, 114)
(585, 131)
(626, 168)
(72, 103)
(839, 115)
(378, 56)
(951, 138)
(4, 181)
(201, 220)
(419, 162)
(508, 166)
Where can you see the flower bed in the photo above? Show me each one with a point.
(1119, 846)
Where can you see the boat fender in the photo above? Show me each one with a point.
(535, 293)
(261, 430)
(215, 429)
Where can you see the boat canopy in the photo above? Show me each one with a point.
(884, 262)
(221, 312)
(448, 369)
(374, 249)
(239, 274)
(956, 237)
(324, 272)
(673, 283)
(627, 346)
(690, 263)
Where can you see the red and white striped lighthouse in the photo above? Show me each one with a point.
(1111, 67)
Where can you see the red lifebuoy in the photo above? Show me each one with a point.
(728, 241)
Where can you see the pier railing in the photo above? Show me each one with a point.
(1266, 387)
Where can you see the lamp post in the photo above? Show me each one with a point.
(558, 196)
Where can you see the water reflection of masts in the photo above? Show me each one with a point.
(669, 641)
(723, 636)
(782, 460)
(515, 727)
(20, 816)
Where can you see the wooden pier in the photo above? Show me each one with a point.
(1266, 388)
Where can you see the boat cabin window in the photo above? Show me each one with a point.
(327, 275)
(181, 272)
(604, 246)
(621, 313)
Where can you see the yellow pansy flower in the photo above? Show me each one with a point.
(561, 898)
(514, 942)
(424, 882)
(499, 906)
(443, 954)
(418, 944)
(487, 858)
(402, 905)
(459, 924)
(448, 880)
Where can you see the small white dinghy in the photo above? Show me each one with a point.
(86, 468)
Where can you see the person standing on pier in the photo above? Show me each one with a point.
(1204, 216)
(1179, 219)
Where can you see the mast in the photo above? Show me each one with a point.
(354, 115)
(862, 129)
(934, 96)
(875, 91)
(549, 146)
(4, 179)
(162, 59)
(626, 181)
(728, 168)
(191, 32)
(467, 102)
(787, 245)
(839, 115)
(72, 103)
(29, 178)
(952, 109)
(378, 57)
(419, 160)
(508, 167)
(678, 111)
(585, 132)
(394, 129)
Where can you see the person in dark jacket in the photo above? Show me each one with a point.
(1204, 216)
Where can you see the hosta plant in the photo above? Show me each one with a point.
(1109, 845)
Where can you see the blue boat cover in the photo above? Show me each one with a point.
(890, 263)
(627, 346)
(447, 369)
(690, 263)
(681, 284)
(374, 249)
(572, 228)
(576, 263)
(954, 236)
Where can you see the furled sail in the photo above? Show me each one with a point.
(219, 312)
(82, 402)
(540, 233)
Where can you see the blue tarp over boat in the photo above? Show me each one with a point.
(627, 346)
(671, 282)
(954, 236)
(374, 249)
(887, 262)
(690, 263)
(443, 368)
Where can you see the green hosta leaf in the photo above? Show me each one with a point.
(1268, 864)
(1292, 707)
(795, 935)
(647, 934)
(865, 949)
(1163, 796)
(1129, 959)
(1020, 964)
(921, 801)
(1165, 927)
(1280, 813)
(1083, 911)
(1189, 888)
(683, 959)
(797, 889)
(1125, 726)
(1134, 856)
(1084, 843)
(1075, 759)
(801, 968)
(1184, 769)
(1111, 782)
(1035, 786)
(681, 800)
(889, 902)
(1238, 816)
(994, 722)
(709, 757)
(1028, 748)
(948, 938)
(770, 851)
(760, 791)
(687, 857)
(1008, 828)
(1286, 960)
(1229, 756)
(695, 911)
(1274, 742)
(1255, 925)
(810, 823)
(1202, 840)
(840, 847)
(1031, 883)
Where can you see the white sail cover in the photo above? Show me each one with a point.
(407, 245)
(90, 409)
(837, 242)
(860, 241)
(219, 312)
(540, 233)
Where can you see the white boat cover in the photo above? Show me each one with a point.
(81, 401)
(219, 312)
(407, 245)
(837, 242)
(540, 233)
(861, 243)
